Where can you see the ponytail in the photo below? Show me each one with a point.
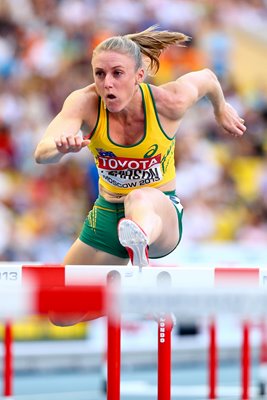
(148, 44)
(153, 42)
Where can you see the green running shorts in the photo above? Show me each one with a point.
(100, 227)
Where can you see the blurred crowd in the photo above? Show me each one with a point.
(45, 51)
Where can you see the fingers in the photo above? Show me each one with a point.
(241, 127)
(238, 129)
(235, 127)
(231, 122)
(70, 143)
(85, 142)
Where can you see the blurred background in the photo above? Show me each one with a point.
(45, 53)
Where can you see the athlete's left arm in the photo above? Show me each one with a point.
(191, 87)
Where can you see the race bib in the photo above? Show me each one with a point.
(130, 172)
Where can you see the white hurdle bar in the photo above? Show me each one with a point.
(187, 292)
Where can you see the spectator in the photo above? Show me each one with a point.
(44, 55)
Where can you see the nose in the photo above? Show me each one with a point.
(108, 81)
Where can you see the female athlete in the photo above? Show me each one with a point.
(130, 127)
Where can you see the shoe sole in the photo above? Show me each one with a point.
(132, 237)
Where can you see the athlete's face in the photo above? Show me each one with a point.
(116, 78)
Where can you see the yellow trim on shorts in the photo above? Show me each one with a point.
(109, 209)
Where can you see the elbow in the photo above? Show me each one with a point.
(210, 74)
(38, 160)
(40, 155)
(44, 154)
(37, 156)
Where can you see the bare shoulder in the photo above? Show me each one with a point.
(168, 100)
(82, 102)
(174, 98)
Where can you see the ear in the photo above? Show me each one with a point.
(140, 76)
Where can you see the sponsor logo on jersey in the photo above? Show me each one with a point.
(151, 151)
(122, 163)
(130, 172)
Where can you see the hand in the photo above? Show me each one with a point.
(70, 143)
(230, 121)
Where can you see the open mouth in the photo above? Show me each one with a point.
(111, 97)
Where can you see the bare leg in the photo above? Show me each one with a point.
(82, 254)
(153, 211)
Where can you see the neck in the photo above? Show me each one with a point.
(134, 106)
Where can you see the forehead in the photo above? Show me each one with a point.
(111, 59)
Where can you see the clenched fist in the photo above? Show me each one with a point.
(70, 143)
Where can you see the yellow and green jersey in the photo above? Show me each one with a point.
(150, 162)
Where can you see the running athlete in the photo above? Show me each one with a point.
(130, 127)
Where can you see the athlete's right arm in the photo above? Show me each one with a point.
(62, 134)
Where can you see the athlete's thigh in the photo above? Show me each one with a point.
(164, 208)
(83, 254)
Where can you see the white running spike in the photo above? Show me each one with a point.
(134, 239)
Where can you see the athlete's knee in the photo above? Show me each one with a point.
(134, 196)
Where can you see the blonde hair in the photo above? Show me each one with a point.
(148, 44)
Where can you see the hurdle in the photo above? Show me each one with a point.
(8, 361)
(190, 295)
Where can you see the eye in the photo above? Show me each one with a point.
(118, 73)
(99, 73)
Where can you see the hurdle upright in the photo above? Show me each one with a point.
(8, 361)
